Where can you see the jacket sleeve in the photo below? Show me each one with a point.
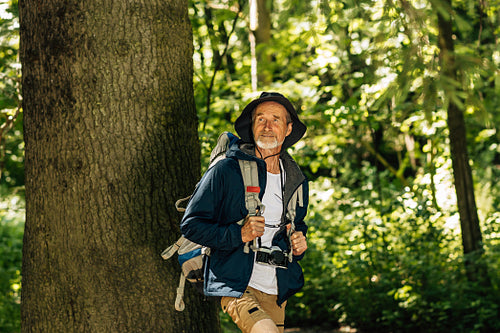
(210, 217)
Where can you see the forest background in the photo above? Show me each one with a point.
(386, 251)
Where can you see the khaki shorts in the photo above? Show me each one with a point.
(252, 307)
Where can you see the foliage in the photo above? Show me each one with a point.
(384, 240)
(11, 171)
(395, 267)
(11, 235)
(11, 141)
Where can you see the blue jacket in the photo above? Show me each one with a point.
(211, 219)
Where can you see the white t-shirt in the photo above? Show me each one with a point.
(264, 276)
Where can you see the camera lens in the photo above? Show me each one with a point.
(277, 258)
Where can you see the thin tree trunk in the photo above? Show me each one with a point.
(464, 186)
(260, 35)
(111, 142)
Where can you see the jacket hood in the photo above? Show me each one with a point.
(242, 150)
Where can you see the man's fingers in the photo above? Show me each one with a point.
(253, 228)
(258, 228)
(256, 218)
(299, 243)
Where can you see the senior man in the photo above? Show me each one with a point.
(254, 290)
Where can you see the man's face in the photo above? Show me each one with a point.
(270, 125)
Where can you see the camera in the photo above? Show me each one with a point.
(272, 256)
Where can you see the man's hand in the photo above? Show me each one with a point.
(253, 228)
(299, 242)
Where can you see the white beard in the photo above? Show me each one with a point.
(268, 145)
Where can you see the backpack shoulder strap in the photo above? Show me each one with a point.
(291, 211)
(250, 176)
(296, 199)
(251, 182)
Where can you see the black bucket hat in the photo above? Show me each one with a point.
(243, 124)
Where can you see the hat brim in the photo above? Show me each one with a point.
(243, 124)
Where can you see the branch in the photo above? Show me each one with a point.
(219, 64)
(382, 160)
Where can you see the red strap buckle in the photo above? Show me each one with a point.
(253, 189)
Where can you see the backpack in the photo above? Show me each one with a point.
(192, 256)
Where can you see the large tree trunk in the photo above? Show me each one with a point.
(464, 186)
(111, 142)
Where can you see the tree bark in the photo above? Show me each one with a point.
(464, 186)
(110, 143)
